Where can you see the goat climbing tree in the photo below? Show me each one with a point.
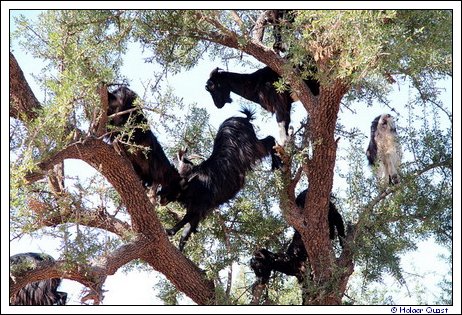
(355, 55)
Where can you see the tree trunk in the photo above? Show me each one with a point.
(320, 173)
(312, 222)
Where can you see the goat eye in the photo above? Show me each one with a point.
(209, 86)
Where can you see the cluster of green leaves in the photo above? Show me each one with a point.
(82, 49)
(420, 41)
(349, 41)
(172, 36)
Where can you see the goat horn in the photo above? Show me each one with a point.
(215, 71)
(196, 156)
(192, 177)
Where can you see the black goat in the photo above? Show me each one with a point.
(292, 262)
(144, 151)
(333, 217)
(43, 292)
(218, 179)
(257, 87)
(278, 18)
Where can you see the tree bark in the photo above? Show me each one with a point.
(25, 104)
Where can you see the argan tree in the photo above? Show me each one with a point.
(357, 56)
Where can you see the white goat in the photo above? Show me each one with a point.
(384, 148)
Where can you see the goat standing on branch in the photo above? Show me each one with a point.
(140, 145)
(384, 148)
(257, 87)
(43, 292)
(218, 179)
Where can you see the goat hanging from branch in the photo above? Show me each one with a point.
(218, 179)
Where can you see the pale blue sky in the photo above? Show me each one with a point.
(192, 90)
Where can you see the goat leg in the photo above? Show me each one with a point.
(190, 228)
(186, 219)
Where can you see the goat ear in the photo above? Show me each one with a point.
(371, 152)
(181, 153)
(184, 183)
(210, 86)
(111, 96)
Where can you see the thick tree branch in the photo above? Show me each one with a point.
(257, 291)
(116, 169)
(23, 102)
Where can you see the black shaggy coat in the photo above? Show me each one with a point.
(144, 151)
(333, 217)
(292, 262)
(43, 292)
(218, 179)
(257, 87)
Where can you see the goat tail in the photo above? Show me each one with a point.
(248, 112)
